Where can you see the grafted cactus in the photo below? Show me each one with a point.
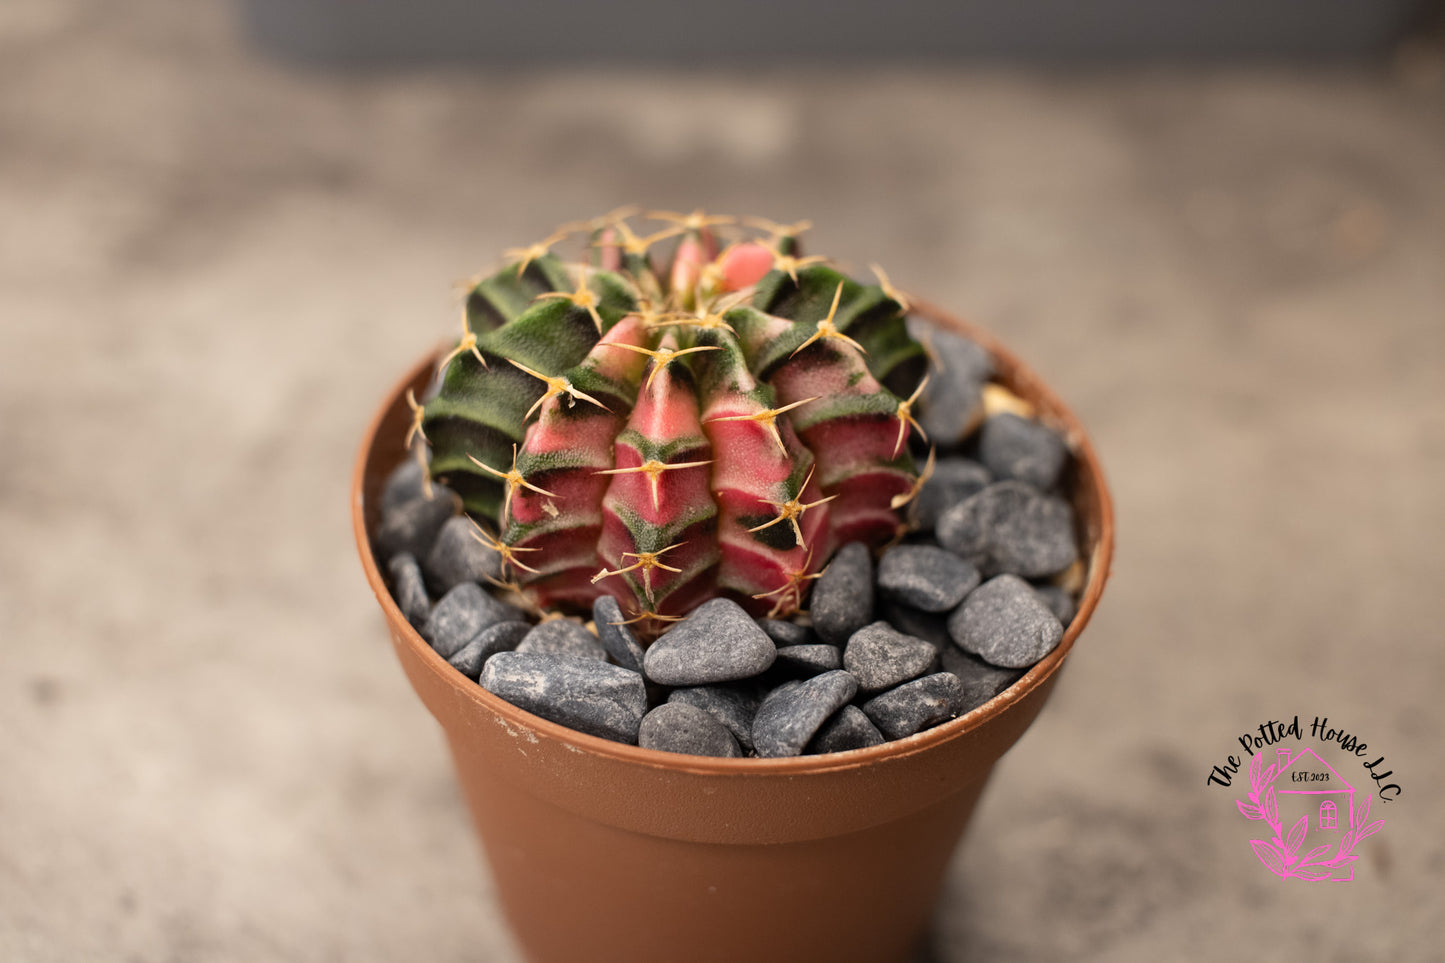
(716, 427)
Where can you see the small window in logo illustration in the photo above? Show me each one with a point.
(1327, 815)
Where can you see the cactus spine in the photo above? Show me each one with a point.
(717, 427)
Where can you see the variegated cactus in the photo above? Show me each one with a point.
(718, 427)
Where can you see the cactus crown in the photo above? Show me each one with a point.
(718, 427)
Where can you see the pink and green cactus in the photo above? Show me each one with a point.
(716, 427)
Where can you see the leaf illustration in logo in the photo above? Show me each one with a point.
(1249, 812)
(1315, 854)
(1312, 873)
(1271, 807)
(1256, 772)
(1370, 830)
(1362, 812)
(1268, 853)
(1295, 837)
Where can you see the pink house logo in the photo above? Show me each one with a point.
(1301, 791)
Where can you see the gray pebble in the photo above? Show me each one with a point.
(733, 706)
(718, 642)
(1015, 447)
(843, 596)
(880, 657)
(408, 589)
(954, 479)
(412, 526)
(917, 705)
(786, 633)
(1011, 527)
(848, 729)
(1059, 601)
(929, 626)
(616, 638)
(1005, 623)
(953, 400)
(981, 681)
(925, 577)
(679, 727)
(810, 659)
(588, 695)
(403, 484)
(458, 556)
(778, 690)
(562, 638)
(461, 614)
(501, 637)
(794, 712)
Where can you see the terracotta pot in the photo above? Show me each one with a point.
(606, 852)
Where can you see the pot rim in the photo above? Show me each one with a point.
(1012, 372)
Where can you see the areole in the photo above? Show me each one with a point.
(836, 857)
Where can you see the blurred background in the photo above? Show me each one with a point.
(225, 229)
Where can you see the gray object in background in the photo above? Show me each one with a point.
(754, 31)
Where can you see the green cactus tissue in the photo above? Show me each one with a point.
(670, 429)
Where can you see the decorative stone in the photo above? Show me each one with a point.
(408, 589)
(458, 556)
(848, 729)
(412, 526)
(843, 596)
(925, 577)
(679, 727)
(718, 642)
(732, 705)
(1023, 449)
(981, 681)
(1005, 623)
(616, 638)
(952, 403)
(403, 484)
(501, 637)
(810, 659)
(588, 695)
(794, 712)
(1011, 527)
(1059, 601)
(929, 626)
(779, 689)
(461, 614)
(953, 481)
(917, 705)
(880, 657)
(562, 638)
(786, 633)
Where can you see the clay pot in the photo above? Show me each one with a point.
(606, 852)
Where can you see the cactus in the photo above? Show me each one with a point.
(717, 427)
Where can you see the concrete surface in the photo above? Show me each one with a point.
(210, 268)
